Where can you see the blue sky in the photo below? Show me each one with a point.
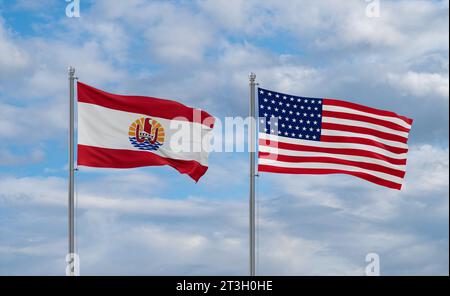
(153, 221)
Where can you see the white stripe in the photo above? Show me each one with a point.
(108, 128)
(319, 165)
(277, 151)
(364, 124)
(354, 111)
(327, 132)
(265, 136)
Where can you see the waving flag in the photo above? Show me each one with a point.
(301, 135)
(116, 131)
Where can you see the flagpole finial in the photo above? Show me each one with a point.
(71, 71)
(252, 76)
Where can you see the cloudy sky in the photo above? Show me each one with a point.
(153, 221)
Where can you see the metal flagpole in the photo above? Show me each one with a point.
(71, 173)
(252, 84)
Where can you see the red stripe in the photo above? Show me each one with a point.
(343, 115)
(143, 105)
(363, 130)
(346, 151)
(363, 165)
(359, 107)
(364, 141)
(365, 176)
(124, 159)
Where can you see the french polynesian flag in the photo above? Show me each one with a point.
(117, 131)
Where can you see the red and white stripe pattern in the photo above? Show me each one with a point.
(354, 139)
(104, 132)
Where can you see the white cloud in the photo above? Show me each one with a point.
(421, 84)
(13, 59)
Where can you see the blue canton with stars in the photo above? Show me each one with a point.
(289, 116)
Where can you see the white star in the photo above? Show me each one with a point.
(302, 107)
(266, 130)
(280, 103)
(314, 137)
(313, 101)
(311, 129)
(301, 120)
(261, 106)
(307, 136)
(265, 99)
(261, 92)
(284, 97)
(283, 125)
(270, 94)
(285, 133)
(304, 128)
(312, 115)
(304, 114)
(287, 118)
(318, 130)
(298, 100)
(318, 115)
(290, 112)
(297, 113)
(294, 120)
(287, 105)
(277, 95)
(306, 101)
(276, 109)
(300, 135)
(262, 120)
(265, 114)
(319, 102)
(273, 101)
(292, 99)
(279, 132)
(295, 106)
(269, 108)
(293, 134)
(309, 108)
(308, 121)
(297, 127)
(284, 111)
(315, 108)
(290, 126)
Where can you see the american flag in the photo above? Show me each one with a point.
(299, 135)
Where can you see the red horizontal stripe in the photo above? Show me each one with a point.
(363, 130)
(124, 159)
(365, 176)
(345, 151)
(143, 105)
(363, 118)
(364, 141)
(363, 108)
(320, 159)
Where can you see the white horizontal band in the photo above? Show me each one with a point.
(327, 132)
(108, 128)
(364, 124)
(354, 111)
(370, 148)
(277, 151)
(319, 165)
